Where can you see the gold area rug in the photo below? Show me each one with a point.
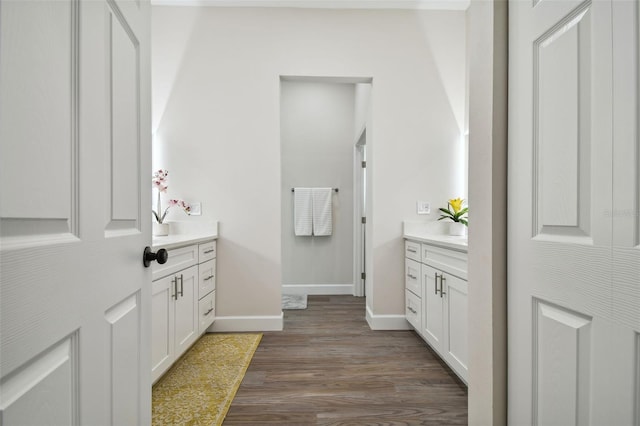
(199, 387)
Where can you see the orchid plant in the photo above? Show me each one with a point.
(159, 182)
(455, 211)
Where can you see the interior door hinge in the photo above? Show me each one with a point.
(363, 275)
(364, 220)
(364, 164)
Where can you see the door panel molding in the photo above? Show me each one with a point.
(561, 138)
(40, 110)
(125, 328)
(561, 365)
(625, 210)
(49, 381)
(123, 70)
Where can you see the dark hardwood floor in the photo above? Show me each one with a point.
(328, 368)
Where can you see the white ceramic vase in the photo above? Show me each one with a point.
(160, 229)
(457, 229)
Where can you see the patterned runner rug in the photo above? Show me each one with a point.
(199, 387)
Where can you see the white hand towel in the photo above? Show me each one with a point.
(322, 211)
(302, 212)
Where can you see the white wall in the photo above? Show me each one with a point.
(218, 127)
(317, 121)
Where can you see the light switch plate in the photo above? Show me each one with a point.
(423, 207)
(196, 209)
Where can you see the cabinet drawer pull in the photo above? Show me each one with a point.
(208, 312)
(411, 250)
(412, 310)
(208, 278)
(174, 282)
(412, 277)
(209, 251)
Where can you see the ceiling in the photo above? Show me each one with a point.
(325, 4)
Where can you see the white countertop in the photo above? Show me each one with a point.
(185, 233)
(179, 240)
(428, 233)
(446, 241)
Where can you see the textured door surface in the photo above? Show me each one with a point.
(74, 191)
(574, 225)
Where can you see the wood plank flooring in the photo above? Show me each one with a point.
(328, 368)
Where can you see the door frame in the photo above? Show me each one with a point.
(359, 211)
(487, 47)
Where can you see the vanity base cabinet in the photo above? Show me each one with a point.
(443, 301)
(182, 303)
(174, 326)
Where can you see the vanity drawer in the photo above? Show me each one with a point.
(206, 311)
(207, 282)
(413, 310)
(412, 250)
(207, 251)
(179, 258)
(453, 262)
(412, 276)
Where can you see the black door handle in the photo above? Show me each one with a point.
(148, 256)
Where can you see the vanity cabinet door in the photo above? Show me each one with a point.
(432, 312)
(186, 308)
(456, 336)
(162, 318)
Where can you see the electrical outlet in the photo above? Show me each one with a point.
(196, 209)
(423, 207)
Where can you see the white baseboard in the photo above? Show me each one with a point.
(320, 289)
(248, 323)
(387, 322)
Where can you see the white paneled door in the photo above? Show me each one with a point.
(574, 221)
(74, 217)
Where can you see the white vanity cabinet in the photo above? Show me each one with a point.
(413, 284)
(207, 285)
(442, 296)
(183, 293)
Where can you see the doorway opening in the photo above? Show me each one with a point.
(324, 132)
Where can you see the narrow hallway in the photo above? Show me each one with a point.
(327, 367)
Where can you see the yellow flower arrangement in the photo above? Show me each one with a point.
(455, 211)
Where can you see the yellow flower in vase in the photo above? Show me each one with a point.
(455, 211)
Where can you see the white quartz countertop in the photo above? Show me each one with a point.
(174, 241)
(186, 233)
(446, 241)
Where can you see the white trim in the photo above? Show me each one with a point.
(387, 322)
(325, 4)
(327, 79)
(318, 289)
(248, 323)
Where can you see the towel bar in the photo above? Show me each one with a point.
(294, 190)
